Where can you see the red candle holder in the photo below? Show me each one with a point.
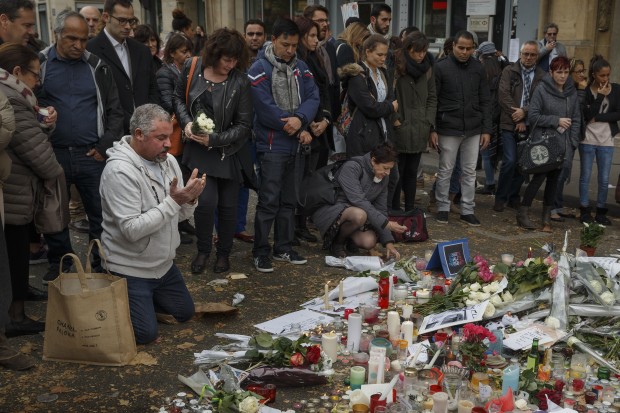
(374, 402)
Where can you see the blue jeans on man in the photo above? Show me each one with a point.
(85, 173)
(510, 179)
(276, 203)
(148, 296)
(603, 156)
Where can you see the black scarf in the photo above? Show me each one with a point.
(415, 69)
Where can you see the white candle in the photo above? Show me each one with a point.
(407, 331)
(407, 310)
(465, 406)
(440, 402)
(326, 298)
(340, 292)
(508, 259)
(393, 325)
(354, 332)
(391, 278)
(329, 344)
(423, 296)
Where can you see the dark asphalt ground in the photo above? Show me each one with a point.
(142, 388)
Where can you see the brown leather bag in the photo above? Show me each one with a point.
(51, 208)
(176, 139)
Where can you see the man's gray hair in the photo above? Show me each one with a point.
(59, 26)
(529, 43)
(144, 116)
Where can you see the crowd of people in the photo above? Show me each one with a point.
(151, 136)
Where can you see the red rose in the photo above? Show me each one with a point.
(313, 355)
(559, 385)
(297, 359)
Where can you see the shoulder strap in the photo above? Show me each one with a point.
(338, 48)
(189, 78)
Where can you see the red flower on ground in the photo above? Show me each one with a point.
(297, 359)
(313, 355)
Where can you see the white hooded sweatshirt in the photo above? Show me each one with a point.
(140, 218)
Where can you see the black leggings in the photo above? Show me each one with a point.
(408, 170)
(223, 194)
(536, 181)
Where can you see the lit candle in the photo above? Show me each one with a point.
(529, 253)
(329, 344)
(340, 292)
(407, 310)
(326, 298)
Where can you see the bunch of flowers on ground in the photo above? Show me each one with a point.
(286, 352)
(475, 342)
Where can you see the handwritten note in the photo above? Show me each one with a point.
(522, 340)
(307, 320)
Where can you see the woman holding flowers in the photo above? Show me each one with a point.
(217, 124)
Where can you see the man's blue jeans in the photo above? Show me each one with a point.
(147, 296)
(604, 156)
(276, 203)
(85, 173)
(510, 179)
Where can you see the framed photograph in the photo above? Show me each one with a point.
(451, 256)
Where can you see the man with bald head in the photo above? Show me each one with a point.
(90, 119)
(92, 16)
(16, 21)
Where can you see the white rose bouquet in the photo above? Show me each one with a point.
(202, 125)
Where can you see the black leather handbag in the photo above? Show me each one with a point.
(542, 151)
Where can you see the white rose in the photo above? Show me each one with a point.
(528, 262)
(496, 300)
(249, 405)
(466, 289)
(475, 287)
(484, 296)
(490, 310)
(552, 322)
(469, 303)
(473, 295)
(494, 286)
(608, 298)
(202, 120)
(486, 288)
(521, 404)
(596, 286)
(507, 297)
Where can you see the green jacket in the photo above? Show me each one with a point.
(417, 105)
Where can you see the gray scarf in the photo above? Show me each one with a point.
(284, 86)
(372, 30)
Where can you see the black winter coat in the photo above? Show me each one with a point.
(167, 78)
(365, 130)
(463, 98)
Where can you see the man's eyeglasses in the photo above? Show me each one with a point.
(33, 73)
(257, 34)
(122, 21)
(529, 54)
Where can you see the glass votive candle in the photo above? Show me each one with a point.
(465, 406)
(508, 259)
(399, 292)
(423, 296)
(357, 376)
(479, 378)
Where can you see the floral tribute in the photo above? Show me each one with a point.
(474, 345)
(283, 352)
(236, 402)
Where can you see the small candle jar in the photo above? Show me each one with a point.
(399, 293)
(423, 296)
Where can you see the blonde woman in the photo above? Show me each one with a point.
(348, 49)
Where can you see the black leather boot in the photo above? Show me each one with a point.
(601, 216)
(523, 219)
(586, 215)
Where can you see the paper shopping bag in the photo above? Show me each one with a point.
(88, 318)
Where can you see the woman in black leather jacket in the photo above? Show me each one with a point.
(221, 90)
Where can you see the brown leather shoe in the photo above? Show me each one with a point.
(245, 237)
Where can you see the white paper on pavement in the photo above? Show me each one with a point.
(609, 264)
(353, 286)
(454, 317)
(336, 308)
(522, 340)
(306, 318)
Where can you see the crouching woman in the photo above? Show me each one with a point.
(359, 218)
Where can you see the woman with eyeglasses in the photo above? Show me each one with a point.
(578, 76)
(554, 107)
(33, 160)
(601, 116)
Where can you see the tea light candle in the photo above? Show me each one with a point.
(423, 296)
(329, 344)
(465, 406)
(508, 259)
(340, 292)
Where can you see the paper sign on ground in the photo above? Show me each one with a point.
(306, 318)
(453, 317)
(336, 308)
(522, 340)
